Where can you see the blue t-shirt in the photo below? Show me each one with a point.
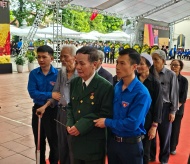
(19, 44)
(130, 107)
(106, 49)
(40, 86)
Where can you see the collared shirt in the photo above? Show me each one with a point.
(87, 82)
(62, 85)
(130, 108)
(40, 86)
(169, 83)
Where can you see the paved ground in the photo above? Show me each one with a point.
(16, 139)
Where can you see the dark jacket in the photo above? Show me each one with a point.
(106, 75)
(155, 112)
(84, 107)
(183, 87)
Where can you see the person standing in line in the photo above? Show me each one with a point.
(19, 46)
(169, 83)
(106, 53)
(112, 54)
(177, 66)
(131, 104)
(101, 71)
(62, 92)
(174, 52)
(121, 47)
(154, 115)
(90, 98)
(40, 85)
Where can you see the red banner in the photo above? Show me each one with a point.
(4, 28)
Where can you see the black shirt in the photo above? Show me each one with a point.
(183, 87)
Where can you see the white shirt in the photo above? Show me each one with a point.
(87, 82)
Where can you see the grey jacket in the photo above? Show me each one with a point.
(62, 85)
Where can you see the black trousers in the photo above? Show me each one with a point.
(106, 56)
(48, 130)
(112, 58)
(125, 153)
(78, 161)
(164, 132)
(64, 139)
(175, 132)
(146, 147)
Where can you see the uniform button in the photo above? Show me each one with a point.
(81, 101)
(78, 111)
(92, 103)
(73, 98)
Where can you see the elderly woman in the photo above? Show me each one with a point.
(154, 114)
(177, 66)
(169, 83)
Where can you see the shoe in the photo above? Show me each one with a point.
(173, 152)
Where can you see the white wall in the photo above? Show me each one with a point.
(182, 28)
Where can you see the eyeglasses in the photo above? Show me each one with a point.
(174, 65)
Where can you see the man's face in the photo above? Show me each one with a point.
(84, 68)
(44, 59)
(124, 67)
(67, 59)
(157, 62)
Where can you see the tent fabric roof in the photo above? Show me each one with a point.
(133, 8)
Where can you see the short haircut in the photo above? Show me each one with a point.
(100, 55)
(45, 48)
(133, 55)
(72, 49)
(180, 63)
(90, 51)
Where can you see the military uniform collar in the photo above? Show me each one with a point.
(87, 82)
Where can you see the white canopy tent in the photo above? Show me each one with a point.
(17, 31)
(65, 31)
(95, 34)
(115, 35)
(87, 36)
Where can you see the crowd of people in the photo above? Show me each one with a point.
(86, 114)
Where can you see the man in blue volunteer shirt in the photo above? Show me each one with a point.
(19, 46)
(131, 104)
(106, 53)
(40, 85)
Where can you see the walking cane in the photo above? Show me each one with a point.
(38, 144)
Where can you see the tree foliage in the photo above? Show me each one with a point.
(80, 21)
(73, 19)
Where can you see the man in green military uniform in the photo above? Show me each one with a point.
(91, 98)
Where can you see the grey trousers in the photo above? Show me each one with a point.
(64, 139)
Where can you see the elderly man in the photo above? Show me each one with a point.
(169, 83)
(91, 98)
(61, 94)
(101, 71)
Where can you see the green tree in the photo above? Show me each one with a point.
(76, 20)
(97, 24)
(112, 23)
